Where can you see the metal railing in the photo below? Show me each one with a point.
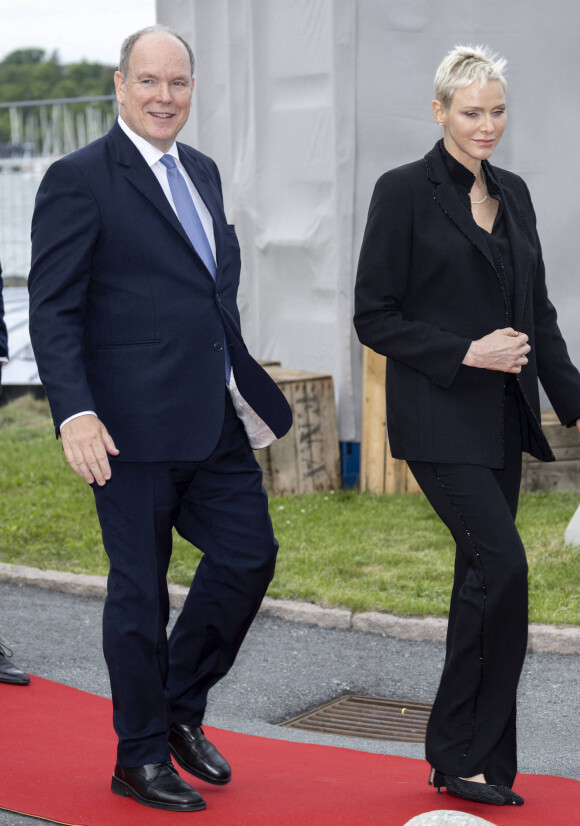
(40, 132)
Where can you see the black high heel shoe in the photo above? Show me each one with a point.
(467, 789)
(510, 797)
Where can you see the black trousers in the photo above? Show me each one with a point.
(472, 727)
(220, 506)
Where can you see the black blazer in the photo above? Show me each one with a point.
(426, 287)
(125, 319)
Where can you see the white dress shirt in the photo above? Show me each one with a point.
(258, 432)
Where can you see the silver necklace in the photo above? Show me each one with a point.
(483, 200)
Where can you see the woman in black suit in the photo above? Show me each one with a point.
(451, 288)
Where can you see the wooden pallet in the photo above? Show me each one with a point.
(379, 472)
(307, 459)
(564, 473)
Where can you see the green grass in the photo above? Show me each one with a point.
(386, 553)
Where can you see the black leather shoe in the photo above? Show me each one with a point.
(156, 785)
(195, 754)
(9, 673)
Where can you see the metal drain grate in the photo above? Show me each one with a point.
(353, 715)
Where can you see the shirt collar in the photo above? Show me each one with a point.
(150, 153)
(461, 175)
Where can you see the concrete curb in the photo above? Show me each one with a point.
(550, 639)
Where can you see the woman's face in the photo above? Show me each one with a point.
(474, 122)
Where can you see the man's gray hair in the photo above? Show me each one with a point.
(465, 65)
(130, 41)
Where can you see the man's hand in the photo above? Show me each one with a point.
(578, 425)
(86, 442)
(503, 350)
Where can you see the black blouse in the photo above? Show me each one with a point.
(497, 241)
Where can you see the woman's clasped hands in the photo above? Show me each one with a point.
(503, 350)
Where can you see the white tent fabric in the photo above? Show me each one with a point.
(304, 103)
(274, 106)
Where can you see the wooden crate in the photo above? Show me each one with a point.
(307, 458)
(564, 473)
(379, 472)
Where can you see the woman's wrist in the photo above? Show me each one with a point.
(470, 359)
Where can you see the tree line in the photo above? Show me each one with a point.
(31, 74)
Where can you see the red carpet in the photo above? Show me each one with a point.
(57, 753)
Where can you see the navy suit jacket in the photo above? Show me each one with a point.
(426, 287)
(125, 319)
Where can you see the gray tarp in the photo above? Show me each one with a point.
(304, 103)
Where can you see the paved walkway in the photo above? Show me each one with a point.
(541, 638)
(285, 667)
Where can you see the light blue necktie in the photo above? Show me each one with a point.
(191, 223)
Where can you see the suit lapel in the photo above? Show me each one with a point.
(136, 171)
(210, 197)
(521, 252)
(446, 195)
(139, 175)
(448, 199)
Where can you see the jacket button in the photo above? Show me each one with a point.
(218, 346)
(218, 298)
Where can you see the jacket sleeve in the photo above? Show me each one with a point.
(558, 376)
(65, 226)
(381, 283)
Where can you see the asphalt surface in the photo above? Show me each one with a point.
(285, 668)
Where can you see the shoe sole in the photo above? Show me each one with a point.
(195, 772)
(479, 799)
(123, 789)
(16, 681)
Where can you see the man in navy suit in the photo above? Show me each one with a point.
(136, 332)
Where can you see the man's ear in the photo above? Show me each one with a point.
(120, 87)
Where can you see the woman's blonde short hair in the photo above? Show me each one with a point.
(465, 65)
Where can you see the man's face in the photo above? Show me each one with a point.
(155, 98)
